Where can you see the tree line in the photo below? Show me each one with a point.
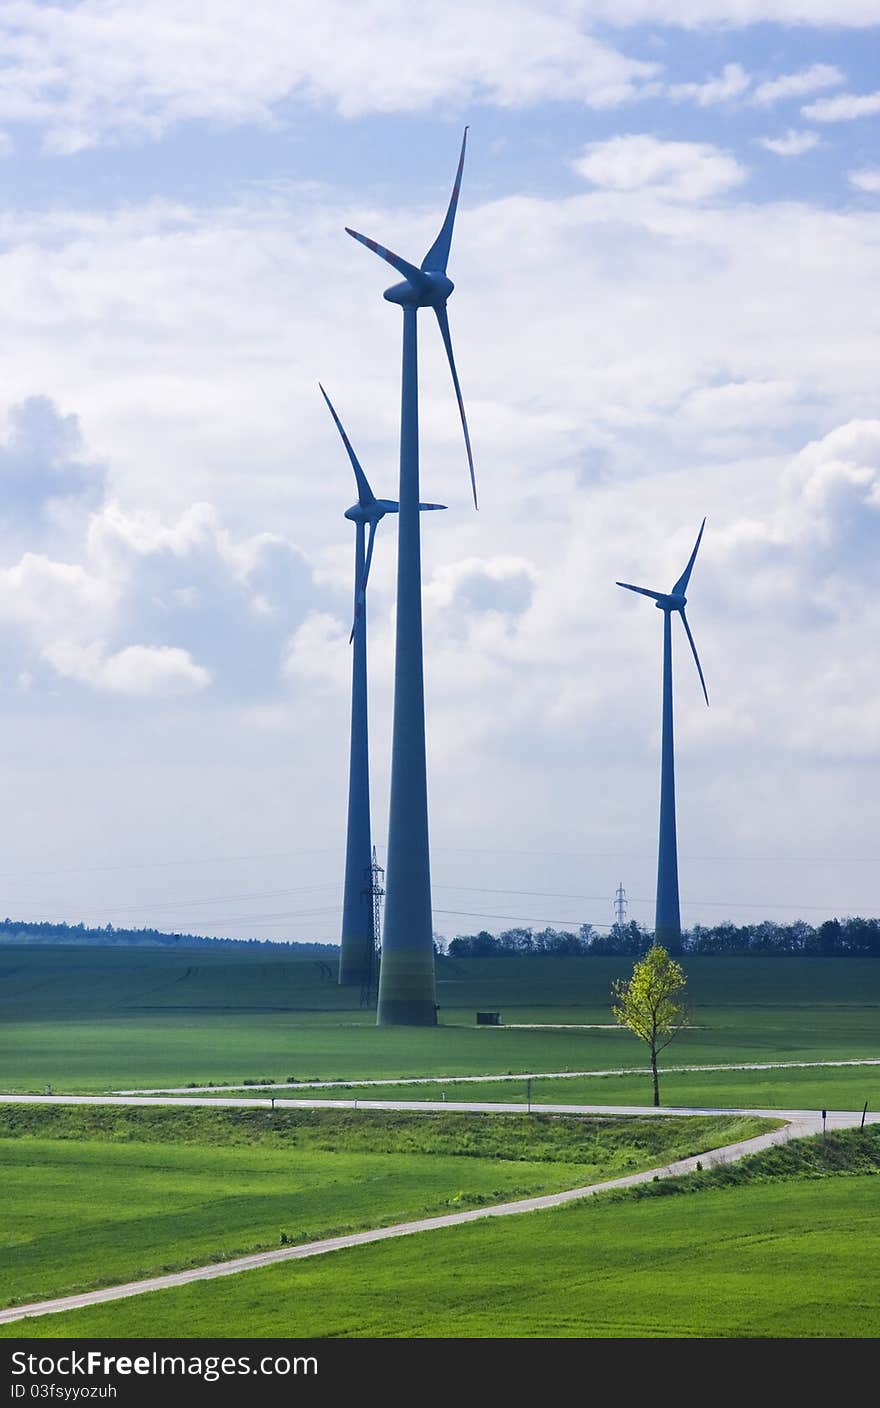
(18, 931)
(834, 938)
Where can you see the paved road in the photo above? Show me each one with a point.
(837, 1119)
(526, 1075)
(799, 1123)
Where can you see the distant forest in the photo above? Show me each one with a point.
(19, 931)
(835, 938)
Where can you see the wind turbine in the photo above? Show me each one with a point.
(667, 922)
(406, 984)
(358, 930)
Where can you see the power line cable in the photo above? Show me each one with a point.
(291, 853)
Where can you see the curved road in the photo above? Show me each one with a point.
(799, 1123)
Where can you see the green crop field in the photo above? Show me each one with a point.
(816, 1088)
(53, 979)
(94, 1019)
(93, 1196)
(783, 1245)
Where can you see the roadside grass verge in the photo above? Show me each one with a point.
(843, 1153)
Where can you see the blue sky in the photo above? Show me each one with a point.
(666, 266)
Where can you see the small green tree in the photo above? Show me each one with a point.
(651, 1003)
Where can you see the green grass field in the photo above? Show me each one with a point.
(96, 1196)
(95, 1019)
(93, 1196)
(57, 979)
(770, 1249)
(823, 1087)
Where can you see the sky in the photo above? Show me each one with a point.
(666, 263)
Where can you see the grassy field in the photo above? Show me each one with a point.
(92, 1019)
(784, 1245)
(823, 1087)
(55, 979)
(102, 1195)
(93, 1196)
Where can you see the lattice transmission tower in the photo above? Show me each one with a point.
(375, 889)
(620, 907)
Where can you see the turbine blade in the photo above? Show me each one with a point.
(369, 559)
(361, 598)
(643, 591)
(409, 271)
(426, 507)
(443, 320)
(358, 609)
(365, 493)
(681, 585)
(362, 590)
(437, 258)
(684, 621)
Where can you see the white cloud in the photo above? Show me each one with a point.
(730, 83)
(156, 672)
(481, 584)
(843, 109)
(838, 474)
(866, 179)
(796, 85)
(808, 552)
(43, 596)
(67, 140)
(318, 651)
(792, 144)
(143, 532)
(101, 71)
(689, 171)
(678, 297)
(117, 532)
(44, 466)
(234, 598)
(736, 404)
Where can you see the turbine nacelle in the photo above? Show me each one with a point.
(371, 512)
(431, 290)
(374, 512)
